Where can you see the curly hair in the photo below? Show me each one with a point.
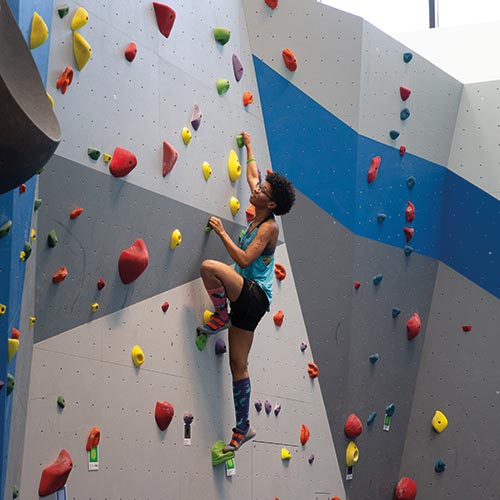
(283, 193)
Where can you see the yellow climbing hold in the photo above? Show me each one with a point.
(82, 50)
(51, 100)
(285, 454)
(439, 421)
(32, 235)
(106, 157)
(137, 356)
(235, 205)
(207, 316)
(13, 347)
(94, 307)
(39, 31)
(233, 166)
(351, 454)
(186, 135)
(80, 19)
(22, 256)
(175, 239)
(207, 170)
(32, 321)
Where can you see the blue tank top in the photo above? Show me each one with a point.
(261, 270)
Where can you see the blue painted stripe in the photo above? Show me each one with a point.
(328, 162)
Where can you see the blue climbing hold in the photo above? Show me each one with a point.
(405, 114)
(394, 134)
(374, 358)
(395, 312)
(371, 418)
(389, 411)
(439, 466)
(411, 181)
(377, 279)
(381, 217)
(408, 250)
(407, 57)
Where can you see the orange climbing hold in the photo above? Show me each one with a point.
(65, 79)
(55, 475)
(410, 212)
(93, 439)
(290, 60)
(312, 369)
(247, 98)
(165, 17)
(278, 318)
(60, 275)
(304, 434)
(75, 213)
(130, 51)
(250, 213)
(373, 170)
(279, 272)
(413, 326)
(404, 92)
(271, 3)
(15, 334)
(170, 156)
(133, 261)
(122, 162)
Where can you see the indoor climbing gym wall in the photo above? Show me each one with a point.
(379, 382)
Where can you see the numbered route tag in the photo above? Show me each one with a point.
(94, 458)
(187, 435)
(230, 467)
(349, 473)
(61, 494)
(387, 422)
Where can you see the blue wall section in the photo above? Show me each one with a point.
(455, 221)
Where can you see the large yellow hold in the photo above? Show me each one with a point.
(13, 347)
(351, 454)
(39, 31)
(233, 166)
(82, 50)
(80, 19)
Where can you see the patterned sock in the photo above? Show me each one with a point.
(241, 396)
(219, 300)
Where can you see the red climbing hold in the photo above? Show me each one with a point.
(131, 51)
(165, 306)
(353, 426)
(165, 17)
(357, 284)
(290, 60)
(133, 261)
(22, 188)
(75, 213)
(409, 232)
(164, 412)
(100, 284)
(410, 212)
(271, 3)
(373, 170)
(304, 434)
(278, 318)
(15, 334)
(279, 272)
(402, 150)
(247, 98)
(122, 162)
(406, 489)
(404, 92)
(93, 438)
(467, 328)
(55, 475)
(65, 79)
(170, 156)
(413, 326)
(60, 275)
(312, 369)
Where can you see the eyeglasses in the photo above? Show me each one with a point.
(259, 189)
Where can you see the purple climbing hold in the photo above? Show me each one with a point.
(237, 68)
(277, 409)
(196, 117)
(220, 346)
(303, 346)
(188, 418)
(311, 459)
(267, 407)
(258, 405)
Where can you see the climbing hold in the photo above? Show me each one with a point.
(52, 238)
(439, 466)
(234, 204)
(186, 135)
(303, 346)
(13, 346)
(312, 369)
(80, 19)
(351, 454)
(207, 316)
(239, 141)
(220, 346)
(353, 426)
(94, 307)
(175, 239)
(357, 284)
(285, 454)
(63, 11)
(75, 213)
(188, 418)
(278, 318)
(133, 261)
(100, 284)
(60, 275)
(377, 279)
(32, 320)
(130, 52)
(106, 158)
(371, 418)
(411, 181)
(237, 68)
(15, 333)
(408, 250)
(93, 153)
(137, 356)
(165, 17)
(10, 383)
(277, 409)
(439, 421)
(258, 405)
(93, 438)
(3, 309)
(406, 489)
(218, 457)
(410, 212)
(405, 114)
(164, 413)
(407, 57)
(170, 156)
(55, 475)
(374, 358)
(61, 402)
(37, 204)
(233, 166)
(305, 434)
(201, 341)
(22, 188)
(250, 213)
(267, 407)
(466, 328)
(310, 459)
(404, 92)
(272, 4)
(222, 35)
(65, 79)
(222, 86)
(39, 31)
(165, 306)
(207, 170)
(289, 59)
(247, 98)
(27, 249)
(373, 170)
(409, 232)
(413, 326)
(15, 491)
(122, 162)
(196, 117)
(279, 272)
(5, 228)
(389, 411)
(381, 217)
(82, 50)
(394, 134)
(402, 150)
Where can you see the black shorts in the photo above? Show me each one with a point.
(247, 310)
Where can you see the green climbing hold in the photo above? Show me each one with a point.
(201, 341)
(61, 402)
(52, 238)
(93, 153)
(377, 279)
(394, 134)
(408, 250)
(38, 204)
(27, 250)
(63, 11)
(222, 86)
(5, 228)
(40, 171)
(239, 141)
(10, 383)
(15, 491)
(217, 456)
(222, 35)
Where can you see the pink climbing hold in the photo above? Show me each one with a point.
(55, 475)
(170, 156)
(404, 92)
(133, 261)
(165, 306)
(353, 426)
(196, 117)
(373, 170)
(406, 489)
(237, 68)
(409, 232)
(165, 17)
(122, 162)
(164, 412)
(413, 326)
(131, 52)
(402, 150)
(410, 212)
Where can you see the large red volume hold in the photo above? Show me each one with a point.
(133, 261)
(122, 162)
(170, 156)
(55, 475)
(353, 426)
(413, 326)
(373, 170)
(290, 60)
(406, 489)
(165, 17)
(164, 412)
